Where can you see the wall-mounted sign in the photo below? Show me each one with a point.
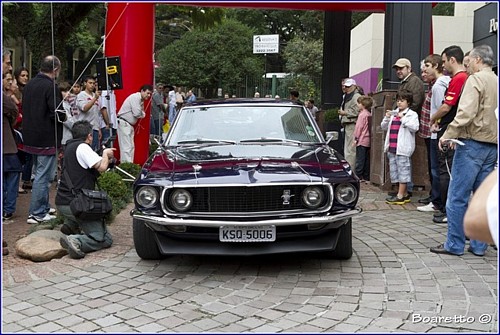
(493, 26)
(266, 44)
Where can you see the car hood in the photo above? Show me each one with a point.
(243, 164)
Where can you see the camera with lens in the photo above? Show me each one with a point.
(105, 145)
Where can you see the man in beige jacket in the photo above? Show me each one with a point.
(475, 128)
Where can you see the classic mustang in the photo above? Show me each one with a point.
(244, 177)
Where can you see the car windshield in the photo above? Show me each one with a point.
(228, 124)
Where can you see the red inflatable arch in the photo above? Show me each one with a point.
(130, 30)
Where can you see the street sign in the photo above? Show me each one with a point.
(266, 44)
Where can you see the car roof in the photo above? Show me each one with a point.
(232, 101)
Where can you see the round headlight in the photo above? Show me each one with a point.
(147, 196)
(181, 200)
(345, 194)
(313, 196)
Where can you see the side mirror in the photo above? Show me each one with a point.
(331, 135)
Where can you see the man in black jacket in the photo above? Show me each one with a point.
(42, 134)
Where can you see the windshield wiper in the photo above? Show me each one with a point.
(270, 140)
(205, 141)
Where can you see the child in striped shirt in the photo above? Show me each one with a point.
(402, 124)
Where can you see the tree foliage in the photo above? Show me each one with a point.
(288, 24)
(174, 21)
(304, 57)
(33, 22)
(210, 59)
(444, 9)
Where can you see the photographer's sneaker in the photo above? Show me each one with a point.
(427, 208)
(72, 246)
(34, 219)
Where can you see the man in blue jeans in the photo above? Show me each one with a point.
(475, 126)
(42, 134)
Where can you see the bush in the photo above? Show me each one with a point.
(133, 169)
(331, 115)
(112, 183)
(119, 191)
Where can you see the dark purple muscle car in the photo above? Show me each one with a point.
(244, 177)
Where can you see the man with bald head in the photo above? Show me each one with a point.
(42, 134)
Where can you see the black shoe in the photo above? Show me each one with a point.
(440, 213)
(27, 185)
(396, 201)
(469, 249)
(424, 201)
(441, 250)
(395, 194)
(6, 216)
(440, 219)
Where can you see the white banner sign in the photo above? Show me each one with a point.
(266, 44)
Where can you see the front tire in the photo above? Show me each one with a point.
(343, 250)
(144, 241)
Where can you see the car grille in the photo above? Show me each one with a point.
(247, 199)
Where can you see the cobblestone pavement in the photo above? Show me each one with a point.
(391, 284)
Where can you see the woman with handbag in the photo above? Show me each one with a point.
(81, 167)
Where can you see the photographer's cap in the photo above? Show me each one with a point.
(402, 62)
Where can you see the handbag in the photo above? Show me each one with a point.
(89, 205)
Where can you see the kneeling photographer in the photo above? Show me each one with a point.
(81, 168)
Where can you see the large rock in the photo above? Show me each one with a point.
(41, 246)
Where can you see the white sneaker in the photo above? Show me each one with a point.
(34, 220)
(52, 211)
(427, 208)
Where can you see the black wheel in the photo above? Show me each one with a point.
(343, 250)
(144, 241)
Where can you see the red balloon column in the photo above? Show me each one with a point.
(130, 29)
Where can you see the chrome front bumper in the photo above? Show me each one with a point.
(170, 221)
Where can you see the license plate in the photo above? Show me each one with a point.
(247, 234)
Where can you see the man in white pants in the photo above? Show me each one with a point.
(131, 111)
